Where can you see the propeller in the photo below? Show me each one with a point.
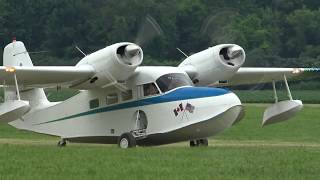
(214, 26)
(148, 30)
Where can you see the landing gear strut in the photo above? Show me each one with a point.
(199, 143)
(62, 143)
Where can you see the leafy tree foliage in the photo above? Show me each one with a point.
(274, 33)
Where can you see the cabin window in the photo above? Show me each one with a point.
(223, 82)
(150, 89)
(94, 103)
(126, 95)
(112, 98)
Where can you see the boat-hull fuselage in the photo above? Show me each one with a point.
(184, 113)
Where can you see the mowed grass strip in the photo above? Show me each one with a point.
(289, 150)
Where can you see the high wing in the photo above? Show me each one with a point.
(106, 68)
(45, 76)
(245, 75)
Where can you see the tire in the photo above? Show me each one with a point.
(199, 143)
(203, 142)
(127, 140)
(62, 143)
(193, 143)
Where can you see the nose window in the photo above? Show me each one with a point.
(174, 80)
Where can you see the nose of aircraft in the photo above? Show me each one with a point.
(210, 102)
(229, 111)
(219, 110)
(200, 112)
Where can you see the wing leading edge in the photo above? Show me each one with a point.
(45, 76)
(246, 76)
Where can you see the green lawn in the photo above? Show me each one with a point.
(90, 162)
(305, 127)
(266, 96)
(290, 150)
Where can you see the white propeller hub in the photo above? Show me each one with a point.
(131, 50)
(234, 52)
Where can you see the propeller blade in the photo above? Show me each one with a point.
(148, 31)
(214, 26)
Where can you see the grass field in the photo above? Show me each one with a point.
(289, 150)
(266, 96)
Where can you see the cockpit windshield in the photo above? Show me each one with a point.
(171, 81)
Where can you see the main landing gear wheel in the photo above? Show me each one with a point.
(199, 143)
(127, 140)
(62, 143)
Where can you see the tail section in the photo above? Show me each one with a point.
(16, 54)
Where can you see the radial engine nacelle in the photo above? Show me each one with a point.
(115, 63)
(218, 63)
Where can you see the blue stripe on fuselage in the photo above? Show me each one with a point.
(186, 93)
(178, 94)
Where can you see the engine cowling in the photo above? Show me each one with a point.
(218, 63)
(115, 63)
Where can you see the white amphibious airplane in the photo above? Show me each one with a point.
(123, 103)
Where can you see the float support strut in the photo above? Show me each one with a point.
(17, 87)
(287, 87)
(275, 91)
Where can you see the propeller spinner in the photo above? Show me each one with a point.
(131, 50)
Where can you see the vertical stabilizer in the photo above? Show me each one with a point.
(16, 54)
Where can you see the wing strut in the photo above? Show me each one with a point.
(287, 86)
(13, 70)
(275, 91)
(16, 84)
(276, 99)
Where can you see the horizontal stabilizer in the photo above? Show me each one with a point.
(281, 111)
(13, 109)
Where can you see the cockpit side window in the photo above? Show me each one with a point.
(126, 95)
(170, 81)
(150, 89)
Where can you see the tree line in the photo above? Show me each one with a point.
(273, 32)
